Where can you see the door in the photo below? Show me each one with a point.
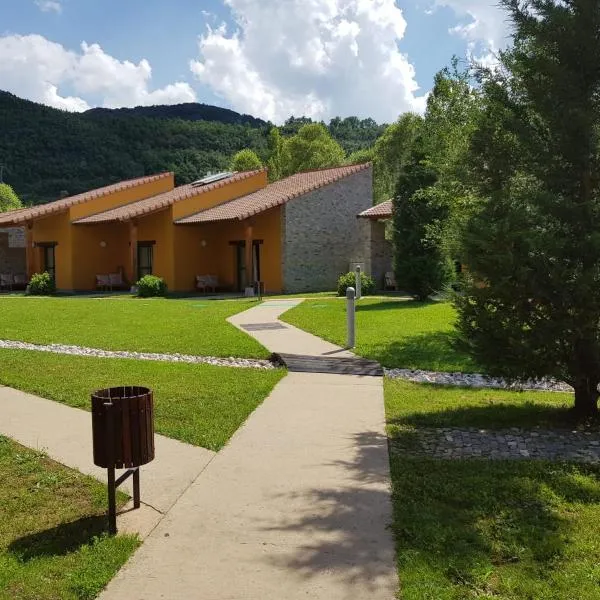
(49, 260)
(240, 264)
(145, 259)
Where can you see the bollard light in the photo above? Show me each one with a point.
(350, 295)
(358, 282)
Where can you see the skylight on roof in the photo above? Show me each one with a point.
(212, 178)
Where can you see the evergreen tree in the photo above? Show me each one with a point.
(532, 242)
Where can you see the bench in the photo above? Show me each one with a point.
(206, 282)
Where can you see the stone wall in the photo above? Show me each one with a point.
(382, 255)
(12, 252)
(322, 235)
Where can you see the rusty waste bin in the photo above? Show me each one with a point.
(123, 438)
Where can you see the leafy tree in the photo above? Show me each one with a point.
(390, 154)
(277, 155)
(312, 148)
(245, 160)
(531, 306)
(8, 199)
(361, 156)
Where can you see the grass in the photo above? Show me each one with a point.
(418, 405)
(490, 530)
(52, 540)
(198, 404)
(396, 333)
(496, 530)
(146, 325)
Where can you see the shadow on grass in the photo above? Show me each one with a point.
(497, 416)
(466, 528)
(429, 351)
(344, 527)
(59, 540)
(393, 305)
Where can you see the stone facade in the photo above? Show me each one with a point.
(382, 255)
(12, 252)
(321, 234)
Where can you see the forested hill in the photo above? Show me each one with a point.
(190, 111)
(49, 153)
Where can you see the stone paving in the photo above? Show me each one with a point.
(511, 444)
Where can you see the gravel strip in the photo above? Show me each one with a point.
(475, 380)
(244, 363)
(505, 444)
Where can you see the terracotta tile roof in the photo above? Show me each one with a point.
(383, 210)
(273, 195)
(160, 201)
(22, 215)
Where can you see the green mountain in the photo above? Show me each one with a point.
(48, 153)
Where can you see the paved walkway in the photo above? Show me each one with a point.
(513, 443)
(65, 433)
(296, 506)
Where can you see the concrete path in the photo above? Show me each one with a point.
(296, 506)
(285, 339)
(65, 434)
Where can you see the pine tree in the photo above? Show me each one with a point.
(532, 243)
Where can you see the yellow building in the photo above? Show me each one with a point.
(231, 229)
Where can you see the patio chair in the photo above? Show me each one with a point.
(20, 280)
(102, 282)
(389, 281)
(6, 281)
(206, 282)
(115, 281)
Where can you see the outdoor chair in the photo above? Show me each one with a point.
(390, 281)
(103, 282)
(6, 281)
(206, 282)
(20, 280)
(115, 280)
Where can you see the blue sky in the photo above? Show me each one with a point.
(271, 58)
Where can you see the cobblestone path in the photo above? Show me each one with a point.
(514, 443)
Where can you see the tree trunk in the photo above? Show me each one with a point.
(586, 398)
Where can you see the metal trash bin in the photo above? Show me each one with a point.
(123, 438)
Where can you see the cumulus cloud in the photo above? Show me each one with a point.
(49, 5)
(36, 68)
(483, 25)
(318, 58)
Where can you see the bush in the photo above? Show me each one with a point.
(41, 284)
(367, 284)
(150, 285)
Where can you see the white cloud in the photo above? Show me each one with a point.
(36, 68)
(49, 5)
(483, 25)
(318, 58)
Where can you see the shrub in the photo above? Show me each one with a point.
(41, 284)
(151, 285)
(367, 284)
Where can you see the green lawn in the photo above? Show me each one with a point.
(199, 404)
(120, 323)
(418, 405)
(52, 540)
(482, 529)
(496, 530)
(396, 333)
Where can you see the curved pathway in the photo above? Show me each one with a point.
(296, 506)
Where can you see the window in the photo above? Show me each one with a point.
(145, 258)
